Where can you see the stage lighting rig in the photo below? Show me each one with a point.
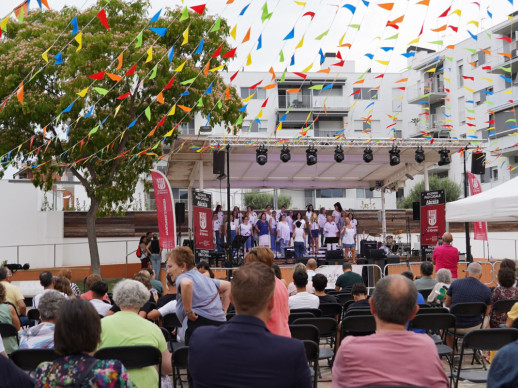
(339, 154)
(367, 155)
(311, 156)
(285, 154)
(394, 156)
(419, 155)
(261, 155)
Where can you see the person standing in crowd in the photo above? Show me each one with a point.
(263, 229)
(307, 218)
(233, 232)
(245, 229)
(298, 217)
(273, 231)
(299, 237)
(314, 230)
(156, 255)
(268, 213)
(219, 213)
(341, 223)
(197, 296)
(322, 219)
(337, 213)
(217, 226)
(8, 315)
(282, 212)
(289, 220)
(145, 253)
(252, 219)
(283, 234)
(446, 256)
(237, 215)
(349, 240)
(330, 230)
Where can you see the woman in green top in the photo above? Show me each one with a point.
(8, 315)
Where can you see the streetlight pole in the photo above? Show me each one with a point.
(229, 237)
(466, 224)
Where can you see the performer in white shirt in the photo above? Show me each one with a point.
(337, 213)
(283, 233)
(245, 229)
(322, 219)
(216, 225)
(330, 230)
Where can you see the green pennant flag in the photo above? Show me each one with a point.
(316, 87)
(156, 145)
(21, 15)
(470, 110)
(185, 14)
(357, 26)
(101, 91)
(200, 102)
(322, 35)
(437, 42)
(363, 75)
(188, 82)
(153, 74)
(393, 37)
(472, 51)
(507, 69)
(281, 56)
(35, 74)
(57, 118)
(93, 131)
(406, 68)
(265, 15)
(220, 104)
(489, 102)
(216, 25)
(283, 76)
(139, 39)
(449, 59)
(148, 113)
(239, 120)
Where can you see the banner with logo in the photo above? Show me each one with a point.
(433, 218)
(164, 210)
(202, 223)
(480, 228)
(331, 272)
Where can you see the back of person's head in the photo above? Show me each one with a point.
(447, 238)
(347, 266)
(78, 328)
(145, 272)
(50, 304)
(443, 276)
(277, 271)
(46, 279)
(358, 289)
(203, 265)
(319, 282)
(252, 288)
(394, 299)
(474, 269)
(299, 267)
(298, 223)
(149, 271)
(426, 268)
(3, 273)
(181, 256)
(130, 294)
(300, 279)
(311, 264)
(408, 275)
(145, 280)
(62, 284)
(508, 263)
(155, 236)
(67, 273)
(506, 277)
(261, 254)
(99, 289)
(91, 279)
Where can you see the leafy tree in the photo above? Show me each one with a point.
(102, 149)
(451, 190)
(261, 200)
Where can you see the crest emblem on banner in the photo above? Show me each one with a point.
(203, 221)
(475, 183)
(432, 217)
(161, 183)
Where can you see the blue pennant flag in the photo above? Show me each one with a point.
(59, 59)
(322, 56)
(260, 42)
(473, 36)
(370, 56)
(209, 89)
(160, 31)
(132, 124)
(244, 9)
(329, 86)
(90, 112)
(350, 7)
(171, 54)
(75, 27)
(283, 118)
(68, 108)
(200, 47)
(292, 62)
(290, 35)
(409, 55)
(186, 93)
(155, 18)
(387, 49)
(243, 108)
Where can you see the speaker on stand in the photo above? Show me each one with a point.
(218, 163)
(477, 163)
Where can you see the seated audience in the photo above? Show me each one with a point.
(62, 285)
(12, 375)
(512, 315)
(319, 284)
(392, 356)
(203, 267)
(438, 294)
(505, 290)
(469, 289)
(77, 334)
(360, 296)
(99, 289)
(47, 282)
(348, 278)
(278, 274)
(67, 273)
(302, 299)
(425, 282)
(127, 328)
(292, 289)
(410, 276)
(91, 279)
(171, 293)
(153, 295)
(257, 357)
(8, 315)
(156, 283)
(503, 372)
(42, 336)
(311, 266)
(278, 321)
(13, 295)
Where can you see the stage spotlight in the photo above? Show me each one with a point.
(311, 156)
(394, 156)
(444, 157)
(367, 155)
(339, 154)
(261, 155)
(419, 155)
(285, 154)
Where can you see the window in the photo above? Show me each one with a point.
(462, 110)
(365, 94)
(187, 128)
(474, 59)
(482, 57)
(364, 193)
(491, 175)
(308, 196)
(494, 174)
(481, 95)
(460, 73)
(510, 80)
(255, 127)
(179, 195)
(330, 193)
(441, 174)
(259, 93)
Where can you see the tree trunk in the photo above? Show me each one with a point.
(92, 235)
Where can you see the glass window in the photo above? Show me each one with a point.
(460, 74)
(330, 193)
(364, 193)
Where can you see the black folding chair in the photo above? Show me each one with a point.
(426, 293)
(294, 316)
(343, 298)
(179, 360)
(312, 356)
(468, 309)
(305, 332)
(29, 359)
(357, 312)
(230, 316)
(328, 328)
(331, 291)
(433, 310)
(477, 340)
(357, 326)
(503, 306)
(315, 312)
(333, 310)
(171, 321)
(133, 357)
(33, 314)
(8, 330)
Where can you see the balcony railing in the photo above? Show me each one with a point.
(424, 91)
(299, 101)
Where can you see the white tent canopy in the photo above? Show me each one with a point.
(496, 205)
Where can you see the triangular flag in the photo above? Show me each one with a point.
(159, 31)
(132, 70)
(184, 108)
(301, 43)
(198, 9)
(98, 76)
(153, 73)
(45, 55)
(249, 60)
(247, 36)
(79, 40)
(185, 36)
(155, 18)
(83, 92)
(209, 89)
(217, 52)
(233, 32)
(160, 98)
(139, 39)
(387, 6)
(149, 54)
(172, 111)
(216, 26)
(102, 18)
(231, 53)
(185, 14)
(170, 54)
(200, 47)
(19, 93)
(119, 59)
(75, 27)
(290, 35)
(59, 59)
(180, 68)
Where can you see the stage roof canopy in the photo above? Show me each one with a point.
(189, 154)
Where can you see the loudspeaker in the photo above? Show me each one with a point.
(375, 254)
(335, 257)
(416, 211)
(179, 211)
(189, 243)
(218, 162)
(477, 163)
(365, 245)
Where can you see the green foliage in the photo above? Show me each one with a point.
(451, 189)
(261, 200)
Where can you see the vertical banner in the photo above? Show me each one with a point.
(164, 210)
(480, 228)
(433, 219)
(202, 223)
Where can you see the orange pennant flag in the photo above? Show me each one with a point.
(442, 28)
(227, 93)
(486, 51)
(398, 20)
(293, 90)
(206, 68)
(120, 61)
(401, 80)
(387, 6)
(160, 98)
(324, 70)
(359, 82)
(114, 77)
(272, 73)
(271, 86)
(19, 93)
(450, 46)
(184, 108)
(424, 2)
(247, 36)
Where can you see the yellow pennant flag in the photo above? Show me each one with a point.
(217, 68)
(185, 36)
(260, 114)
(169, 133)
(447, 79)
(301, 43)
(117, 110)
(172, 111)
(249, 60)
(307, 68)
(180, 68)
(468, 89)
(233, 32)
(457, 11)
(474, 22)
(432, 70)
(487, 79)
(416, 40)
(79, 40)
(341, 40)
(385, 63)
(45, 55)
(83, 92)
(249, 98)
(149, 54)
(301, 3)
(4, 22)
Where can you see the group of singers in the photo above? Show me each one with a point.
(279, 229)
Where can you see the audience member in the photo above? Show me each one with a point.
(319, 284)
(446, 256)
(510, 264)
(410, 276)
(302, 299)
(360, 296)
(468, 290)
(67, 273)
(145, 279)
(8, 315)
(258, 357)
(127, 328)
(348, 278)
(397, 356)
(47, 282)
(156, 283)
(292, 290)
(91, 279)
(42, 336)
(171, 292)
(277, 323)
(438, 294)
(503, 372)
(77, 334)
(512, 315)
(203, 267)
(505, 290)
(62, 284)
(311, 266)
(12, 376)
(13, 294)
(99, 289)
(197, 295)
(425, 282)
(278, 274)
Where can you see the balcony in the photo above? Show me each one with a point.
(431, 93)
(435, 127)
(308, 102)
(506, 62)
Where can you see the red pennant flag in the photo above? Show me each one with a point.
(102, 18)
(264, 103)
(311, 14)
(234, 76)
(161, 122)
(356, 92)
(169, 84)
(32, 139)
(0, 32)
(198, 8)
(467, 77)
(445, 13)
(255, 85)
(98, 76)
(231, 53)
(381, 76)
(217, 52)
(341, 63)
(339, 55)
(82, 142)
(3, 105)
(124, 96)
(506, 38)
(301, 75)
(486, 68)
(132, 70)
(421, 32)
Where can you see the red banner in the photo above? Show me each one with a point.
(202, 218)
(164, 210)
(480, 228)
(433, 224)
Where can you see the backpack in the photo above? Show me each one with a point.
(139, 252)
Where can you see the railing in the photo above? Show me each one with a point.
(423, 89)
(295, 101)
(309, 101)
